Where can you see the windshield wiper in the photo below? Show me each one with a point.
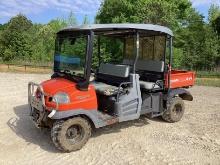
(67, 74)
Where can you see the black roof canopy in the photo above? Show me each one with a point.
(119, 29)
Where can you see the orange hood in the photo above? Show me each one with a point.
(52, 86)
(78, 99)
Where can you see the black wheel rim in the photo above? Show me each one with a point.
(75, 133)
(177, 110)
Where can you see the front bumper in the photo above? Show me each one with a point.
(40, 114)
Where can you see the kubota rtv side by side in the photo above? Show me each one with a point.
(108, 73)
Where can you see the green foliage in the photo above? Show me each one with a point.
(208, 74)
(163, 12)
(15, 39)
(214, 82)
(105, 56)
(214, 18)
(178, 60)
(196, 42)
(20, 40)
(196, 45)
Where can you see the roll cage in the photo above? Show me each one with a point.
(120, 31)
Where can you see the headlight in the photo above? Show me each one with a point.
(61, 97)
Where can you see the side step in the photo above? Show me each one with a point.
(107, 119)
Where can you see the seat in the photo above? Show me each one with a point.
(109, 77)
(121, 71)
(148, 85)
(148, 66)
(113, 74)
(105, 89)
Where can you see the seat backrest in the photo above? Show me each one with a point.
(114, 70)
(147, 65)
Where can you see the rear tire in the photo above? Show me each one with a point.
(71, 135)
(175, 110)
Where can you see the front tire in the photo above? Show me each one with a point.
(71, 135)
(175, 110)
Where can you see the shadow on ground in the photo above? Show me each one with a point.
(23, 126)
(115, 128)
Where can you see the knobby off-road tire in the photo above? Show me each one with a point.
(175, 110)
(71, 135)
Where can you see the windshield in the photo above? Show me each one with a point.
(70, 55)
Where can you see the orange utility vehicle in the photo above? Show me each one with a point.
(105, 74)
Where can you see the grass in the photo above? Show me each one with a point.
(208, 78)
(215, 82)
(208, 74)
(21, 69)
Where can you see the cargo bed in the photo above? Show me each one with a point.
(181, 79)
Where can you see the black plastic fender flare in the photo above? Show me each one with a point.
(181, 92)
(90, 114)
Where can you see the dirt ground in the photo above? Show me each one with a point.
(194, 140)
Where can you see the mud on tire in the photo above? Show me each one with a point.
(71, 135)
(174, 111)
